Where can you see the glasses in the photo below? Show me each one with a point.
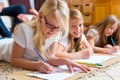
(52, 27)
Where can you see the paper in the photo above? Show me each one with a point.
(118, 52)
(60, 74)
(96, 59)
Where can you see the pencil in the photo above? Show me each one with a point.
(39, 54)
(112, 41)
(89, 64)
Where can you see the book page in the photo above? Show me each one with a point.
(60, 73)
(96, 59)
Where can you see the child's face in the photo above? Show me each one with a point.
(109, 30)
(50, 25)
(76, 28)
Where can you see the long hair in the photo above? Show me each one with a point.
(116, 35)
(75, 44)
(101, 26)
(61, 10)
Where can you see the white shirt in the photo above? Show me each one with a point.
(64, 41)
(23, 37)
(6, 49)
(93, 33)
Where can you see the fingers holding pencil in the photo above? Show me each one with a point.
(45, 68)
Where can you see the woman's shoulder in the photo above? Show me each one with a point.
(25, 27)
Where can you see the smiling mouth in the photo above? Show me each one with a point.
(77, 33)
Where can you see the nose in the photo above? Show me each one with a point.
(111, 32)
(79, 29)
(53, 31)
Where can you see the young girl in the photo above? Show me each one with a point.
(98, 35)
(42, 34)
(74, 46)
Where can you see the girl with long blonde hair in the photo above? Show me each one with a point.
(75, 45)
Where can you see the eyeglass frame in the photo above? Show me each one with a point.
(51, 26)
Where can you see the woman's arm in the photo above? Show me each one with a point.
(18, 61)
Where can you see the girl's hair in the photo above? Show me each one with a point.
(101, 26)
(61, 10)
(75, 44)
(116, 35)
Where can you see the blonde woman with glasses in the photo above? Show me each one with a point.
(42, 34)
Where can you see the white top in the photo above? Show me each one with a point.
(93, 33)
(5, 49)
(64, 41)
(23, 37)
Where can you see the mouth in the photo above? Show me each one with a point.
(77, 33)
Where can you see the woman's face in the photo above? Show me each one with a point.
(76, 28)
(109, 30)
(50, 25)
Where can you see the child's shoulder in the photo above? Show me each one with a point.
(92, 32)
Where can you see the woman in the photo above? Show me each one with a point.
(99, 34)
(74, 46)
(42, 34)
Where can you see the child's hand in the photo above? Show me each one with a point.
(86, 53)
(72, 65)
(108, 46)
(45, 68)
(115, 49)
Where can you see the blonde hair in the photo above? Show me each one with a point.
(100, 27)
(75, 14)
(61, 10)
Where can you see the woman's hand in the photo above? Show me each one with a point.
(72, 65)
(45, 68)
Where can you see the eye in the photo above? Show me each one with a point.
(80, 25)
(73, 26)
(50, 25)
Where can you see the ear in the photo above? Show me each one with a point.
(40, 14)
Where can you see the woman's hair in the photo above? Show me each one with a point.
(75, 43)
(61, 10)
(101, 26)
(116, 35)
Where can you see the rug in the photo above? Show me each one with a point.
(113, 71)
(6, 69)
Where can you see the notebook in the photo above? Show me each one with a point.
(60, 73)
